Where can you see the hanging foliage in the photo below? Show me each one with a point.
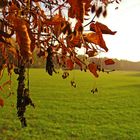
(109, 62)
(57, 29)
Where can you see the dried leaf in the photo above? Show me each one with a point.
(93, 8)
(93, 69)
(92, 53)
(79, 8)
(65, 28)
(109, 62)
(105, 13)
(22, 36)
(96, 38)
(99, 11)
(74, 40)
(1, 102)
(105, 1)
(60, 24)
(69, 64)
(65, 75)
(76, 10)
(78, 26)
(49, 62)
(104, 29)
(73, 84)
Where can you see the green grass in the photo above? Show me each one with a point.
(66, 113)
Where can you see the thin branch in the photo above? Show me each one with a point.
(90, 21)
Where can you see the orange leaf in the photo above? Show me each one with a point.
(109, 62)
(69, 64)
(96, 38)
(22, 36)
(104, 29)
(1, 102)
(74, 40)
(93, 69)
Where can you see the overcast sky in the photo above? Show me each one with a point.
(126, 21)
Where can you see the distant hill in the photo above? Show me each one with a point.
(119, 64)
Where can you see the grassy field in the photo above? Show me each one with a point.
(66, 113)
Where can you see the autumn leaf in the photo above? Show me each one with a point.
(78, 26)
(69, 64)
(86, 7)
(92, 53)
(1, 102)
(93, 8)
(99, 11)
(79, 8)
(76, 9)
(97, 39)
(104, 29)
(105, 13)
(74, 40)
(93, 69)
(65, 28)
(105, 1)
(60, 22)
(49, 62)
(23, 36)
(65, 75)
(13, 7)
(109, 62)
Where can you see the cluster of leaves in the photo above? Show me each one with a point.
(55, 28)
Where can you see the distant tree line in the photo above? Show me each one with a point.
(119, 64)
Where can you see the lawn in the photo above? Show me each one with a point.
(66, 113)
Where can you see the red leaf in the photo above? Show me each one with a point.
(109, 62)
(93, 69)
(69, 64)
(1, 102)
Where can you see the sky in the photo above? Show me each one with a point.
(126, 21)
